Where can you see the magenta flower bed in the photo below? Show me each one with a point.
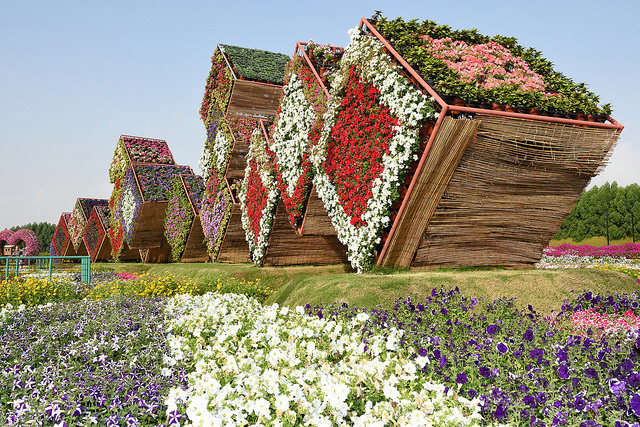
(628, 250)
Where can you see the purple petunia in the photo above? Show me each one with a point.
(462, 378)
(634, 403)
(502, 348)
(493, 329)
(528, 335)
(563, 372)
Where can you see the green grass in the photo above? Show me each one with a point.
(545, 290)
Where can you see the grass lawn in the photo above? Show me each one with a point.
(545, 290)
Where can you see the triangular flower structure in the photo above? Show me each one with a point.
(61, 239)
(367, 144)
(258, 196)
(184, 204)
(130, 149)
(96, 234)
(79, 218)
(298, 123)
(215, 212)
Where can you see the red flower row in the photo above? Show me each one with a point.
(358, 141)
(256, 198)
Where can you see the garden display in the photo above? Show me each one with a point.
(138, 149)
(243, 82)
(182, 226)
(61, 239)
(146, 190)
(78, 221)
(215, 213)
(5, 235)
(96, 234)
(18, 237)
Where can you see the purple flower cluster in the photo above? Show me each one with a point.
(85, 362)
(524, 369)
(156, 181)
(215, 212)
(195, 189)
(628, 250)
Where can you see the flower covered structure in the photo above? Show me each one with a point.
(30, 239)
(184, 203)
(369, 140)
(258, 197)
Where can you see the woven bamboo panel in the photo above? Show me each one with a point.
(149, 228)
(160, 253)
(254, 99)
(104, 253)
(288, 248)
(237, 161)
(69, 250)
(195, 249)
(316, 221)
(514, 186)
(448, 147)
(129, 254)
(234, 248)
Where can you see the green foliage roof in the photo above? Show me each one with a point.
(256, 64)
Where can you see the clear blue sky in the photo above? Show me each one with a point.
(76, 75)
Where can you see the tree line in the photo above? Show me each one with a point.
(44, 231)
(620, 205)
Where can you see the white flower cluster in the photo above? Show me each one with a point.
(291, 135)
(8, 309)
(128, 208)
(258, 151)
(206, 161)
(410, 106)
(269, 365)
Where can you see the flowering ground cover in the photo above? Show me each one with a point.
(208, 353)
(523, 368)
(622, 258)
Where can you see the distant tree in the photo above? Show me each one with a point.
(44, 231)
(589, 215)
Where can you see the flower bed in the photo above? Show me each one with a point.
(296, 128)
(482, 69)
(138, 149)
(79, 217)
(258, 197)
(96, 233)
(367, 144)
(184, 204)
(523, 368)
(215, 212)
(256, 365)
(628, 250)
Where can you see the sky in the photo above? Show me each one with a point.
(75, 75)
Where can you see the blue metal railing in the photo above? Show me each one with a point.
(46, 263)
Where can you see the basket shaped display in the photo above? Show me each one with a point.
(138, 149)
(96, 234)
(145, 193)
(182, 227)
(514, 145)
(78, 221)
(243, 82)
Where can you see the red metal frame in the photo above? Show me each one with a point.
(446, 108)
